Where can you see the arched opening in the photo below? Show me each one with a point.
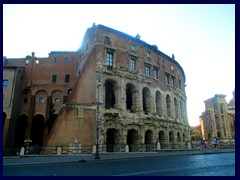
(176, 107)
(111, 140)
(146, 95)
(132, 140)
(149, 140)
(171, 137)
(37, 130)
(20, 131)
(130, 98)
(184, 137)
(69, 92)
(109, 94)
(179, 139)
(168, 103)
(161, 137)
(158, 101)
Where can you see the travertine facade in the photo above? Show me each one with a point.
(141, 91)
(216, 120)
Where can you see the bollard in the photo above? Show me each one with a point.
(59, 151)
(158, 146)
(22, 151)
(127, 149)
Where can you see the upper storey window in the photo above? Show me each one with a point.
(133, 64)
(180, 84)
(155, 73)
(41, 100)
(109, 59)
(5, 82)
(107, 40)
(173, 82)
(54, 78)
(67, 78)
(134, 47)
(163, 62)
(55, 60)
(147, 69)
(148, 54)
(167, 78)
(66, 59)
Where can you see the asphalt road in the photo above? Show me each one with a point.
(190, 165)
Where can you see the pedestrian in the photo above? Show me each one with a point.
(215, 142)
(202, 145)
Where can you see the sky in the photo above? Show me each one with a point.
(201, 37)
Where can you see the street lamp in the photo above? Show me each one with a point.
(27, 141)
(97, 115)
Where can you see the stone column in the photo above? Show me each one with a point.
(214, 128)
(117, 93)
(172, 108)
(179, 109)
(122, 103)
(152, 103)
(164, 107)
(226, 121)
(220, 121)
(140, 100)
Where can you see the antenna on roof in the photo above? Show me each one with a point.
(173, 57)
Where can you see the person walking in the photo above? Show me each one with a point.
(202, 145)
(215, 142)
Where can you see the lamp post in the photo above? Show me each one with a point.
(27, 141)
(97, 115)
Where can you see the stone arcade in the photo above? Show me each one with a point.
(142, 91)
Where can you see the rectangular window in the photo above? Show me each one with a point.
(173, 81)
(107, 40)
(66, 60)
(134, 47)
(180, 84)
(54, 78)
(5, 82)
(148, 54)
(56, 101)
(167, 79)
(133, 64)
(109, 60)
(147, 70)
(55, 59)
(163, 62)
(67, 78)
(155, 73)
(73, 60)
(41, 100)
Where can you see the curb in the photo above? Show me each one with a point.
(117, 158)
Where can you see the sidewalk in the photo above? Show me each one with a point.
(39, 159)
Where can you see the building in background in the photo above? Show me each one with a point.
(217, 119)
(141, 90)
